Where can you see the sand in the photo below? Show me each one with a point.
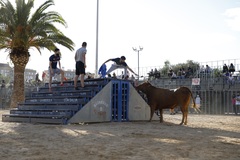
(205, 137)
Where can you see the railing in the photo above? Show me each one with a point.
(218, 64)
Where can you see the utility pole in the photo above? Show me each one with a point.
(138, 50)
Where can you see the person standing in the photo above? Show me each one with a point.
(119, 63)
(53, 60)
(198, 101)
(80, 58)
(234, 103)
(43, 76)
(237, 103)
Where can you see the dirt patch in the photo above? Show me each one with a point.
(205, 137)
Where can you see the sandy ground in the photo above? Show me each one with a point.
(205, 137)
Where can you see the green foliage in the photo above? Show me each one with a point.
(217, 72)
(22, 31)
(189, 63)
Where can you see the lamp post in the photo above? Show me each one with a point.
(96, 61)
(138, 50)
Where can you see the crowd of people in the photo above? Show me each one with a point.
(180, 74)
(228, 72)
(154, 74)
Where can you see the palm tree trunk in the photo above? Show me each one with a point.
(18, 94)
(20, 61)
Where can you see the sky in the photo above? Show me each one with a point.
(174, 30)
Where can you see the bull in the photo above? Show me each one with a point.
(159, 99)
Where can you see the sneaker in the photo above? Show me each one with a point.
(61, 84)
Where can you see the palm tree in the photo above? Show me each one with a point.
(20, 31)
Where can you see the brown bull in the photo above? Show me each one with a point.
(159, 99)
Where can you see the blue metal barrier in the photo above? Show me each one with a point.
(119, 100)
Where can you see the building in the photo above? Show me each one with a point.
(6, 71)
(29, 75)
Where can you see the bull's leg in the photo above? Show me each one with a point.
(152, 112)
(186, 113)
(161, 115)
(184, 116)
(183, 113)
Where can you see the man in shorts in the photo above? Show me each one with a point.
(119, 63)
(80, 58)
(53, 60)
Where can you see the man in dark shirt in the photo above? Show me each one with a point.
(119, 63)
(53, 60)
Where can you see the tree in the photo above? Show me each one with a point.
(165, 68)
(20, 31)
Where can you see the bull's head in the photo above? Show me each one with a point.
(143, 87)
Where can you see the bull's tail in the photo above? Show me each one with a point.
(194, 104)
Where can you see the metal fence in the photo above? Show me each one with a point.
(6, 93)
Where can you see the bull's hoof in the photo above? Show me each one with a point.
(181, 123)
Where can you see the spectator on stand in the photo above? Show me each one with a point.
(114, 75)
(156, 74)
(230, 80)
(208, 69)
(231, 68)
(151, 74)
(170, 72)
(183, 73)
(189, 72)
(202, 69)
(225, 68)
(174, 76)
(179, 73)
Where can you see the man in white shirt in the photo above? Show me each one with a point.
(80, 58)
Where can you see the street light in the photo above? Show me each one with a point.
(138, 50)
(96, 62)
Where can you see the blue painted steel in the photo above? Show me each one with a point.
(120, 97)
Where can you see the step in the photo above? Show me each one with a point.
(37, 113)
(98, 81)
(49, 107)
(70, 88)
(15, 118)
(86, 93)
(66, 102)
(59, 100)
